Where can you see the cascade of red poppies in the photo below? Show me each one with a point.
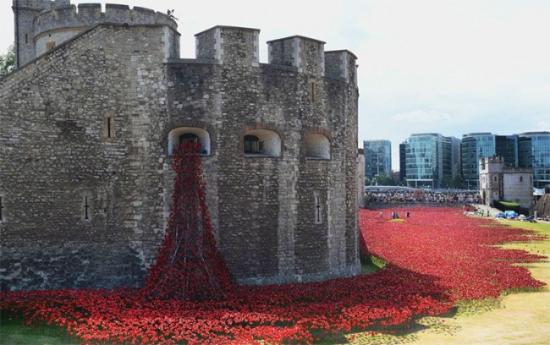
(189, 265)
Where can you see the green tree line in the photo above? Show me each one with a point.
(7, 62)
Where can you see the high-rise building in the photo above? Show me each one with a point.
(506, 146)
(377, 158)
(482, 145)
(403, 162)
(456, 157)
(432, 160)
(474, 147)
(534, 152)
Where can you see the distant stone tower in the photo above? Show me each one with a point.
(41, 25)
(501, 183)
(25, 12)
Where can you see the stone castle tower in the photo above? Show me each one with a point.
(498, 182)
(89, 122)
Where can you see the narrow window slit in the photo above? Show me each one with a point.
(312, 91)
(1, 209)
(86, 209)
(108, 127)
(317, 209)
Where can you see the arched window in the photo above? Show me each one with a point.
(188, 138)
(317, 146)
(253, 145)
(185, 134)
(262, 142)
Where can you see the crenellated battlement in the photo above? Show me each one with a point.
(240, 46)
(87, 15)
(341, 64)
(40, 5)
(304, 53)
(44, 24)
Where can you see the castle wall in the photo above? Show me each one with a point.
(85, 208)
(265, 207)
(518, 187)
(57, 161)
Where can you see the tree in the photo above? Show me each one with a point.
(7, 62)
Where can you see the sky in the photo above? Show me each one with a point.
(444, 66)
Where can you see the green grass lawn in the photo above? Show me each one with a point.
(510, 204)
(540, 227)
(536, 247)
(374, 264)
(14, 332)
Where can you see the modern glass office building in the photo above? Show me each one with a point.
(431, 159)
(534, 148)
(480, 145)
(377, 158)
(403, 162)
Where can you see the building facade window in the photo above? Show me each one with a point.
(189, 138)
(261, 142)
(317, 146)
(2, 209)
(86, 214)
(108, 131)
(182, 135)
(253, 145)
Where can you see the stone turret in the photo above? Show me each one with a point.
(41, 25)
(304, 53)
(229, 45)
(25, 12)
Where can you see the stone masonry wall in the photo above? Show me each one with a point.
(278, 219)
(55, 159)
(264, 207)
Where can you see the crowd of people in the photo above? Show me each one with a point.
(422, 196)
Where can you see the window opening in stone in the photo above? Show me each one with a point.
(312, 91)
(109, 127)
(50, 45)
(1, 209)
(26, 38)
(253, 145)
(318, 219)
(261, 142)
(521, 179)
(181, 135)
(86, 209)
(317, 146)
(189, 138)
(317, 209)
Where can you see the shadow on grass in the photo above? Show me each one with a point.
(13, 331)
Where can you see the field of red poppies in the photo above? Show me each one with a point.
(435, 258)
